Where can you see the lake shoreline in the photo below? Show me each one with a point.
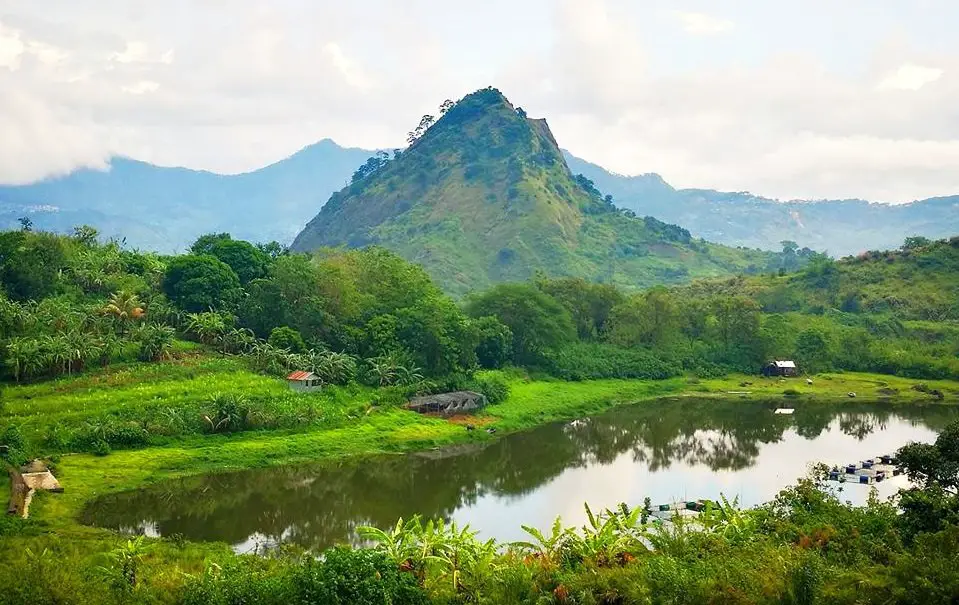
(532, 403)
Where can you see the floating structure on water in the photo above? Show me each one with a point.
(685, 509)
(872, 470)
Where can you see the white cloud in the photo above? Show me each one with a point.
(701, 24)
(910, 77)
(11, 48)
(130, 78)
(141, 87)
(134, 52)
(352, 73)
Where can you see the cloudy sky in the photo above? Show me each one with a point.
(811, 99)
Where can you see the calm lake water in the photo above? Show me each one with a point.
(669, 451)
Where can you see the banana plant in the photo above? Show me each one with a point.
(548, 550)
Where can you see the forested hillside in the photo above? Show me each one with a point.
(483, 195)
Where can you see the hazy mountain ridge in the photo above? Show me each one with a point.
(840, 227)
(165, 208)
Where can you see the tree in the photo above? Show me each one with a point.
(537, 320)
(246, 260)
(934, 464)
(737, 329)
(199, 283)
(589, 304)
(495, 342)
(915, 242)
(446, 106)
(205, 243)
(812, 350)
(26, 223)
(933, 504)
(124, 307)
(86, 235)
(285, 337)
(650, 319)
(30, 264)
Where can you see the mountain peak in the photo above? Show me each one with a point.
(484, 195)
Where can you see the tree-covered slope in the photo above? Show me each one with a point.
(919, 281)
(485, 196)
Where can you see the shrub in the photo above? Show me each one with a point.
(126, 436)
(347, 576)
(285, 337)
(494, 386)
(101, 448)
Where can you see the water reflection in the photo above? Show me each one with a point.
(668, 449)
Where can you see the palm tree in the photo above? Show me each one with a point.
(208, 327)
(124, 307)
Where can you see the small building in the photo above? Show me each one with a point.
(302, 381)
(780, 368)
(448, 404)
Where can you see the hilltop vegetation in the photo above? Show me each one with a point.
(483, 196)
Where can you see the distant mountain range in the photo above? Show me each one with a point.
(839, 227)
(165, 209)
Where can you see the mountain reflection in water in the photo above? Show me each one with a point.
(666, 450)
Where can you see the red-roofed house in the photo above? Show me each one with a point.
(304, 381)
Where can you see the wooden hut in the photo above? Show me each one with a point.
(780, 368)
(302, 382)
(448, 404)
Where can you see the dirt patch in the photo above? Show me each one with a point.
(464, 419)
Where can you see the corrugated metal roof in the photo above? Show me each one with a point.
(785, 364)
(301, 375)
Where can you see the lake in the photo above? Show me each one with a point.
(667, 450)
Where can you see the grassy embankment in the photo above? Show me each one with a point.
(344, 421)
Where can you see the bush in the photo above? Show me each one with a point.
(347, 576)
(126, 436)
(588, 361)
(288, 339)
(101, 448)
(494, 386)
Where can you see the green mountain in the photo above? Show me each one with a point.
(484, 195)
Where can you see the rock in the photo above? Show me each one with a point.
(851, 394)
(809, 381)
(470, 427)
(34, 466)
(491, 430)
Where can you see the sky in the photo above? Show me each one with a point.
(813, 99)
